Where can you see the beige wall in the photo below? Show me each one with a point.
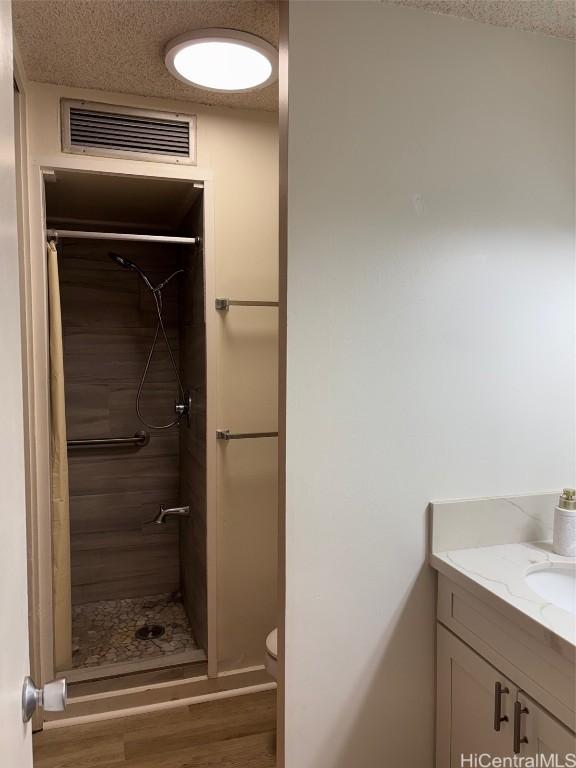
(237, 155)
(430, 340)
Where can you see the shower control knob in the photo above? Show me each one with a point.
(52, 698)
(184, 407)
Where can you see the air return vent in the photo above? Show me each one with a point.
(112, 131)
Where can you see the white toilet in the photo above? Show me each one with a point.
(272, 653)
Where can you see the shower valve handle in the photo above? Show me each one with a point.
(184, 407)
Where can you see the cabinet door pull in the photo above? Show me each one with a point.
(499, 718)
(519, 710)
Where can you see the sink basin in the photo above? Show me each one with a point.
(556, 584)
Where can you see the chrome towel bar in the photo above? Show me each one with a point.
(139, 439)
(225, 434)
(225, 304)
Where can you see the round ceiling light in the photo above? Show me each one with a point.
(223, 60)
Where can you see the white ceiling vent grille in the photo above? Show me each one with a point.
(111, 131)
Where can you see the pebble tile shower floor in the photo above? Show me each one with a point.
(103, 632)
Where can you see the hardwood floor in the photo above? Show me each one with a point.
(228, 733)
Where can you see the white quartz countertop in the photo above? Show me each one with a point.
(500, 571)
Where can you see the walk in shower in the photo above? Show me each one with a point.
(130, 275)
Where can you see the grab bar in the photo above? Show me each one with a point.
(140, 438)
(225, 434)
(225, 304)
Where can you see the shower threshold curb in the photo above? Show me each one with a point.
(97, 672)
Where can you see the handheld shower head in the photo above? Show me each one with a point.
(121, 261)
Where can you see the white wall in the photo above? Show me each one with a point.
(430, 340)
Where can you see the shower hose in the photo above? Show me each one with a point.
(157, 295)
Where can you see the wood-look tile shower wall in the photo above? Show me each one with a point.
(108, 322)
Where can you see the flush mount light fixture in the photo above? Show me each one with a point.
(225, 60)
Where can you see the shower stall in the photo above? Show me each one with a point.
(129, 550)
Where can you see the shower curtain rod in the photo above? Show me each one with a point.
(57, 233)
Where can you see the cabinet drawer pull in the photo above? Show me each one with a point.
(519, 710)
(499, 690)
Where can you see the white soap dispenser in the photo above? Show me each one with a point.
(564, 542)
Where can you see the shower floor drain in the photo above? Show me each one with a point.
(149, 632)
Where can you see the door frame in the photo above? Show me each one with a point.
(15, 735)
(36, 604)
(37, 388)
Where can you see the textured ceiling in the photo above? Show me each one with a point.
(118, 45)
(548, 17)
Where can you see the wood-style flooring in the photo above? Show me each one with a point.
(237, 732)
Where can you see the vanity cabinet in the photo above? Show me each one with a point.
(467, 711)
(543, 733)
(481, 711)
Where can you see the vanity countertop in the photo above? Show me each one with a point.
(497, 573)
